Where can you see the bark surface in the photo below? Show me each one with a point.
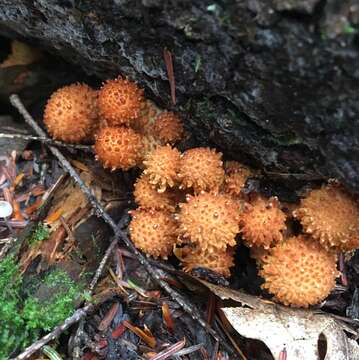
(274, 83)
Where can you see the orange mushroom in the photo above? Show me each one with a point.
(153, 231)
(71, 113)
(299, 272)
(118, 148)
(201, 169)
(120, 102)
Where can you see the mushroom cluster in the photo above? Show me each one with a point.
(123, 123)
(190, 187)
(192, 204)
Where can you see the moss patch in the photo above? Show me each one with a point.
(23, 320)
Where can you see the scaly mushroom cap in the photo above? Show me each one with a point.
(259, 254)
(150, 144)
(262, 222)
(235, 181)
(299, 272)
(120, 101)
(201, 169)
(168, 128)
(118, 148)
(147, 196)
(143, 124)
(153, 231)
(71, 113)
(161, 167)
(209, 221)
(231, 166)
(330, 215)
(220, 261)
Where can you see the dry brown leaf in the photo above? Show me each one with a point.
(68, 199)
(279, 327)
(21, 54)
(32, 208)
(167, 317)
(18, 179)
(54, 216)
(145, 335)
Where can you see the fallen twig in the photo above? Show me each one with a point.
(46, 140)
(170, 351)
(189, 308)
(37, 345)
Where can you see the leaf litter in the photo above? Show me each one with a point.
(135, 317)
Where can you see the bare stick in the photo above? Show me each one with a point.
(37, 345)
(46, 141)
(100, 210)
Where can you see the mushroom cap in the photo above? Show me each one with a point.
(330, 215)
(118, 147)
(120, 101)
(231, 166)
(262, 222)
(161, 167)
(168, 127)
(143, 124)
(299, 272)
(153, 231)
(235, 180)
(209, 221)
(71, 113)
(259, 254)
(201, 169)
(147, 196)
(220, 261)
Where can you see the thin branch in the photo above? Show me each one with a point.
(46, 140)
(37, 345)
(100, 210)
(102, 264)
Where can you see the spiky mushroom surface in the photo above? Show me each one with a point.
(262, 222)
(168, 128)
(259, 254)
(143, 124)
(235, 180)
(201, 169)
(120, 101)
(161, 167)
(330, 215)
(71, 113)
(299, 272)
(220, 262)
(118, 148)
(147, 196)
(153, 231)
(209, 221)
(231, 166)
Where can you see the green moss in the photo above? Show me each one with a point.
(12, 333)
(40, 233)
(46, 314)
(23, 320)
(349, 29)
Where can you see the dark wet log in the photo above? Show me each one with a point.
(274, 82)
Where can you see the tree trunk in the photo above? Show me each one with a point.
(274, 83)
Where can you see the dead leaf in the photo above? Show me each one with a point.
(145, 334)
(167, 317)
(68, 199)
(279, 327)
(21, 54)
(32, 208)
